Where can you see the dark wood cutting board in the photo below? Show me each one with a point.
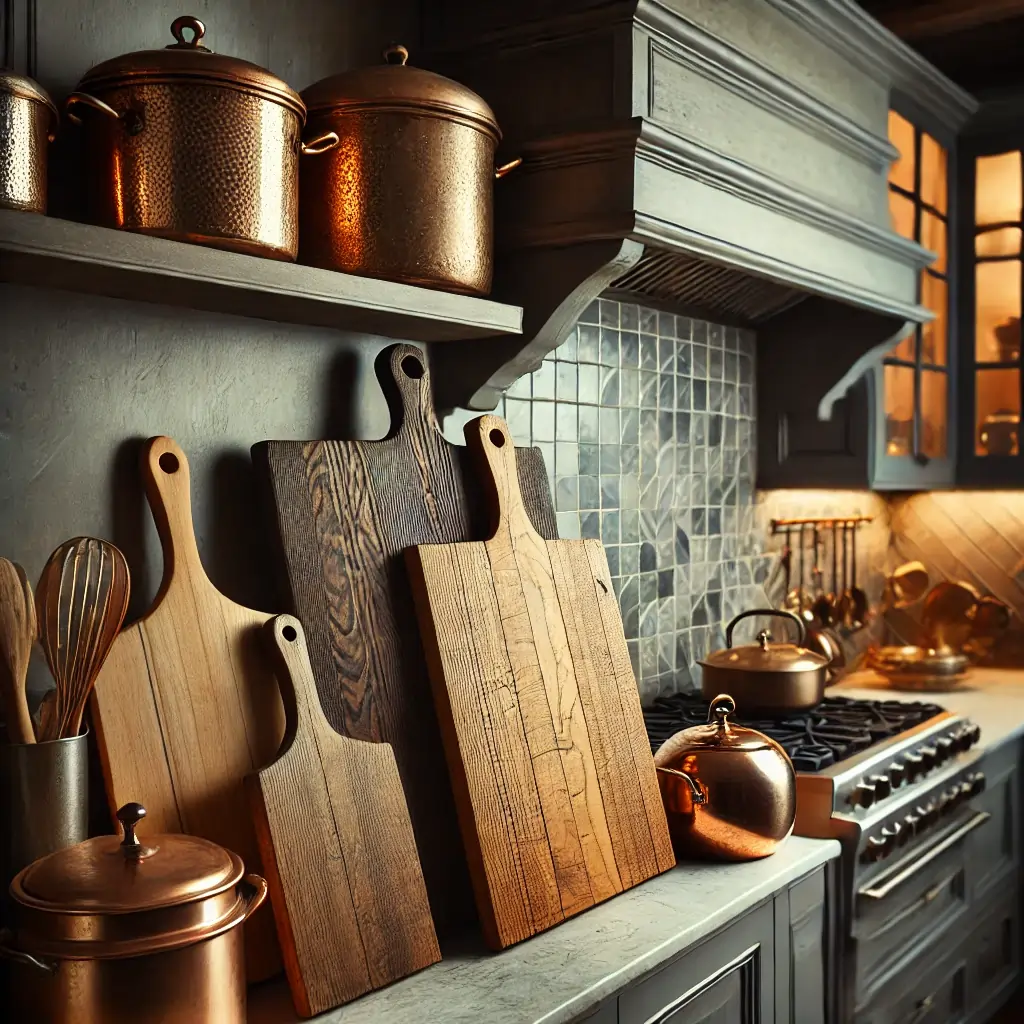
(552, 770)
(344, 512)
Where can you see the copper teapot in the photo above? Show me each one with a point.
(729, 792)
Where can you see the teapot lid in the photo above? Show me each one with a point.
(718, 734)
(766, 655)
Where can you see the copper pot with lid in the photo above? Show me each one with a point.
(407, 194)
(192, 145)
(105, 925)
(767, 678)
(729, 792)
(28, 121)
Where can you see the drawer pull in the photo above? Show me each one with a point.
(923, 1009)
(923, 900)
(879, 892)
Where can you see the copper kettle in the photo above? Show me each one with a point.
(729, 792)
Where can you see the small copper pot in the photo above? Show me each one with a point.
(28, 120)
(729, 792)
(116, 933)
(408, 193)
(195, 146)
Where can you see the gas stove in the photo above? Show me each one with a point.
(895, 782)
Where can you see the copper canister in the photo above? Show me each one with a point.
(195, 146)
(408, 192)
(141, 930)
(28, 120)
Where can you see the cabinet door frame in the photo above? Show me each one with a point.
(913, 472)
(980, 470)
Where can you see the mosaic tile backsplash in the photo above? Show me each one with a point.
(646, 423)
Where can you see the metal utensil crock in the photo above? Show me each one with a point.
(28, 120)
(115, 933)
(767, 678)
(729, 792)
(191, 145)
(407, 194)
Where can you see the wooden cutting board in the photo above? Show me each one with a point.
(344, 512)
(540, 713)
(337, 849)
(187, 702)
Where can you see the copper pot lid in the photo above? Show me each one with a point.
(398, 86)
(718, 734)
(27, 89)
(766, 655)
(186, 59)
(108, 875)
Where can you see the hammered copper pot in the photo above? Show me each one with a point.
(28, 120)
(191, 145)
(408, 193)
(117, 933)
(729, 792)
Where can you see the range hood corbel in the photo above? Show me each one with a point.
(726, 159)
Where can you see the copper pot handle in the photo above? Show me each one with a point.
(500, 172)
(256, 895)
(8, 952)
(802, 637)
(321, 144)
(131, 119)
(699, 796)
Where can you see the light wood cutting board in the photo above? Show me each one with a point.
(344, 512)
(540, 714)
(338, 849)
(187, 702)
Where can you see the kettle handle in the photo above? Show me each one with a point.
(699, 796)
(767, 611)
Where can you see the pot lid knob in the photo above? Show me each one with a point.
(130, 815)
(764, 638)
(178, 27)
(720, 709)
(396, 54)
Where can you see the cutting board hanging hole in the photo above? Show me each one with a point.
(497, 438)
(169, 463)
(289, 634)
(412, 368)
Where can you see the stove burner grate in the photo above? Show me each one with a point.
(836, 729)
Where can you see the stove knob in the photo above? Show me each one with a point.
(908, 829)
(977, 782)
(963, 738)
(874, 851)
(946, 748)
(966, 790)
(883, 787)
(863, 794)
(897, 774)
(974, 734)
(891, 834)
(927, 814)
(929, 758)
(915, 766)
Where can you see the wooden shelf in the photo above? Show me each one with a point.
(52, 253)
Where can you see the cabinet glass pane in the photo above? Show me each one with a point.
(998, 417)
(997, 190)
(933, 237)
(901, 211)
(998, 242)
(933, 334)
(901, 135)
(934, 414)
(906, 350)
(899, 410)
(997, 311)
(933, 173)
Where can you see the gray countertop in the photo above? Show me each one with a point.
(568, 971)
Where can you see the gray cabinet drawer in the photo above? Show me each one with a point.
(932, 993)
(729, 979)
(993, 956)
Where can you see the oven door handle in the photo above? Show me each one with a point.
(879, 892)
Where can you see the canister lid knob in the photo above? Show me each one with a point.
(130, 815)
(396, 54)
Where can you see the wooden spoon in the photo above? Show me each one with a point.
(81, 600)
(17, 634)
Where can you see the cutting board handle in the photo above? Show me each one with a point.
(295, 676)
(405, 380)
(489, 440)
(168, 487)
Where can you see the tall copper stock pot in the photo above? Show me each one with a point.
(192, 145)
(28, 120)
(729, 792)
(117, 933)
(408, 193)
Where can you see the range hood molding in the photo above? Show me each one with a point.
(657, 143)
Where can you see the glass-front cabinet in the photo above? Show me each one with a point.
(915, 380)
(990, 324)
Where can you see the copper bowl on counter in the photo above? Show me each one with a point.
(117, 933)
(729, 792)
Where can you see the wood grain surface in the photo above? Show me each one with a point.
(187, 703)
(344, 511)
(337, 848)
(540, 713)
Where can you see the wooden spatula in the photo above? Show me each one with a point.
(540, 714)
(338, 849)
(17, 634)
